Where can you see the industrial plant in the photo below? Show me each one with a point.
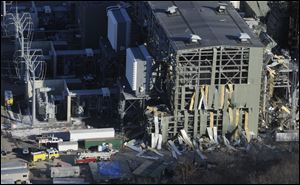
(151, 92)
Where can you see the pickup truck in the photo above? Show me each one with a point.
(50, 139)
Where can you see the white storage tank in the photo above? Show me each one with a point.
(83, 134)
(118, 29)
(138, 69)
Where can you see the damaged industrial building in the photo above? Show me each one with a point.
(149, 91)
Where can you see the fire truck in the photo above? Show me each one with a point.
(87, 157)
(44, 155)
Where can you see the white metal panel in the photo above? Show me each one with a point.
(65, 146)
(112, 30)
(128, 25)
(83, 134)
(67, 180)
(131, 69)
(9, 165)
(72, 171)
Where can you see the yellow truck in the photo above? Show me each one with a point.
(44, 155)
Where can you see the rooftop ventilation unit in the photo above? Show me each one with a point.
(244, 37)
(172, 10)
(222, 7)
(194, 38)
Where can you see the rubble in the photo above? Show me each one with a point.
(287, 135)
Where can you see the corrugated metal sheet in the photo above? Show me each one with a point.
(112, 31)
(119, 27)
(138, 68)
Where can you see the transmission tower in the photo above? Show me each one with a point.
(30, 64)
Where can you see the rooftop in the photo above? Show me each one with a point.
(92, 130)
(203, 19)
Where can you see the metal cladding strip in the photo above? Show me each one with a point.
(237, 119)
(222, 91)
(206, 93)
(156, 125)
(290, 135)
(202, 156)
(230, 115)
(211, 119)
(192, 102)
(210, 133)
(247, 126)
(215, 131)
(159, 141)
(174, 148)
(137, 149)
(186, 138)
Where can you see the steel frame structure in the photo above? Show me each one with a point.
(190, 71)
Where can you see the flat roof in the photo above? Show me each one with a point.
(8, 165)
(14, 171)
(92, 130)
(202, 18)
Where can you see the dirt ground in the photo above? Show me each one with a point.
(266, 164)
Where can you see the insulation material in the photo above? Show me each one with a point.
(211, 119)
(192, 102)
(221, 96)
